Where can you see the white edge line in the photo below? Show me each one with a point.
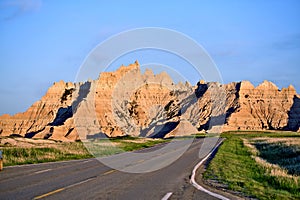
(199, 187)
(167, 196)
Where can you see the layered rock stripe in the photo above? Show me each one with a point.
(128, 102)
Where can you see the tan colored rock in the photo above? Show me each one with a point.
(262, 108)
(127, 102)
(40, 114)
(182, 129)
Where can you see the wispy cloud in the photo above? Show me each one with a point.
(288, 43)
(20, 7)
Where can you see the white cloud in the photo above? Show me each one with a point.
(20, 7)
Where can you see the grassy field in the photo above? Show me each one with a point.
(258, 165)
(18, 151)
(29, 155)
(105, 147)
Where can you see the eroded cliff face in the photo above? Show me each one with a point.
(40, 114)
(265, 108)
(128, 102)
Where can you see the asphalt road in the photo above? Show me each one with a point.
(90, 179)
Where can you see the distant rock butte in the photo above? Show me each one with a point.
(127, 102)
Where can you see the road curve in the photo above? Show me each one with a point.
(199, 187)
(90, 179)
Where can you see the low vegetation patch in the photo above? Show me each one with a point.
(18, 151)
(283, 153)
(105, 147)
(58, 151)
(258, 165)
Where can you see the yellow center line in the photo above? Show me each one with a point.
(109, 172)
(140, 161)
(64, 188)
(61, 189)
(49, 193)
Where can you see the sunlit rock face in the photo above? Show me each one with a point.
(128, 102)
(265, 108)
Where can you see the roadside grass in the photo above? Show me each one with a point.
(191, 136)
(244, 165)
(106, 147)
(59, 151)
(40, 154)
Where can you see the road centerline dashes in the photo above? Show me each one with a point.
(109, 172)
(49, 193)
(63, 188)
(140, 161)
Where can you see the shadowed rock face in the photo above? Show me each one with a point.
(127, 102)
(294, 113)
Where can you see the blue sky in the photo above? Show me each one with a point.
(44, 41)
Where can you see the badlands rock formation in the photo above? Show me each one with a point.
(127, 102)
(265, 108)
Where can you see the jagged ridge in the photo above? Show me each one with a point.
(129, 102)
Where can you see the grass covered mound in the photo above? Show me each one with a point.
(259, 165)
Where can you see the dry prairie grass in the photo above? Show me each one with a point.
(273, 169)
(25, 151)
(287, 141)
